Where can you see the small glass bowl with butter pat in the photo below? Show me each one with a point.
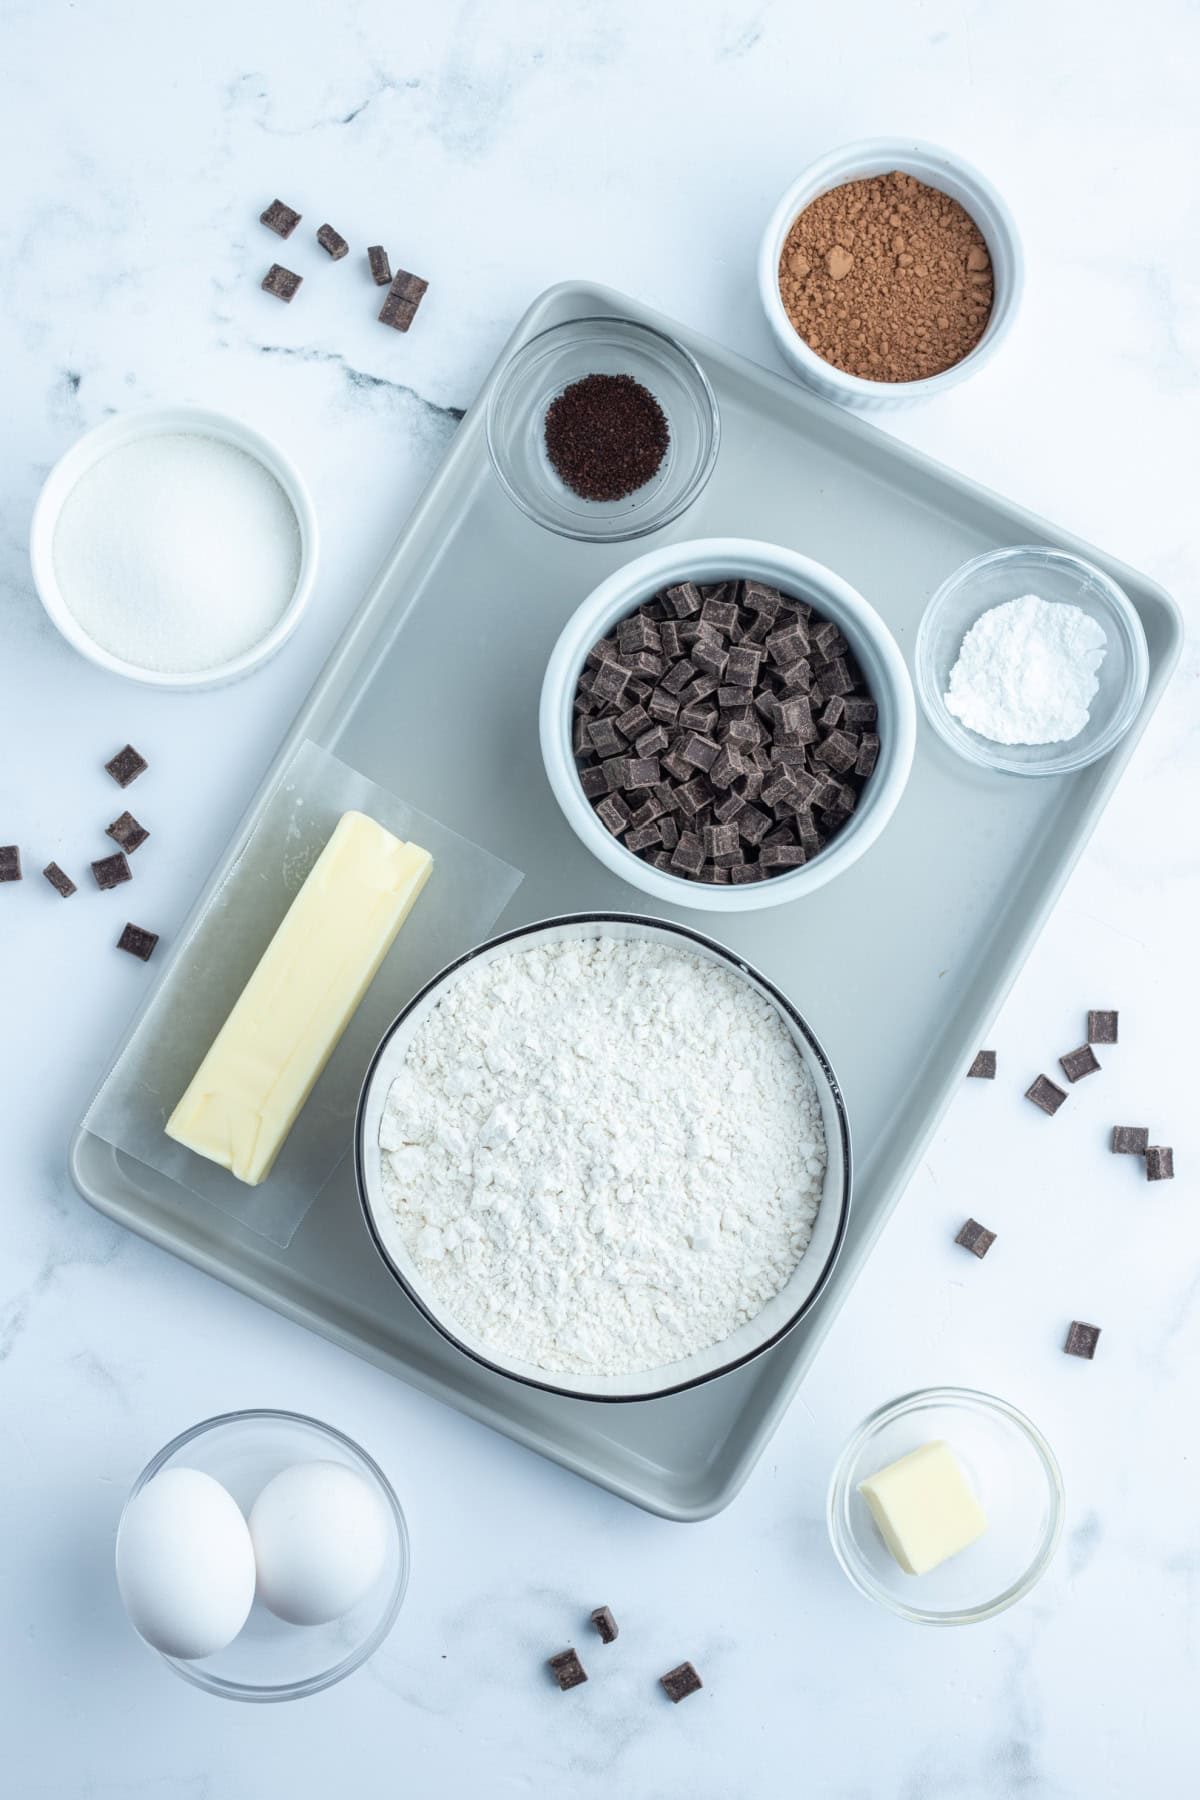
(946, 1506)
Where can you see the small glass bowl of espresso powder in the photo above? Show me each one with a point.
(602, 429)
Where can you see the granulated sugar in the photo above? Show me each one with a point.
(1026, 672)
(603, 1155)
(177, 552)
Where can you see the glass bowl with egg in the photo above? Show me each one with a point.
(1003, 1466)
(263, 1555)
(1059, 577)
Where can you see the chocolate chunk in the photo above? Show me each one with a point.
(138, 942)
(984, 1066)
(1130, 1140)
(605, 1624)
(782, 856)
(787, 644)
(10, 862)
(663, 706)
(683, 600)
(757, 597)
(833, 712)
(610, 682)
(699, 751)
(567, 1669)
(637, 632)
(111, 871)
(746, 872)
(679, 1683)
(280, 219)
(1102, 1028)
(720, 840)
(668, 832)
(594, 783)
(614, 815)
(381, 268)
(58, 880)
(126, 766)
(742, 666)
(824, 636)
(641, 772)
(719, 614)
(614, 771)
(333, 241)
(1082, 1339)
(702, 719)
(693, 796)
(283, 283)
(1046, 1094)
(709, 659)
(858, 713)
(868, 754)
(839, 751)
(688, 854)
(603, 736)
(1160, 1162)
(602, 651)
(1078, 1063)
(976, 1238)
(652, 742)
(645, 837)
(403, 298)
(127, 832)
(838, 678)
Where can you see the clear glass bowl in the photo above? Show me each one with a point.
(270, 1659)
(1054, 575)
(1015, 1477)
(550, 362)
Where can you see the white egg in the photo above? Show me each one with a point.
(321, 1537)
(185, 1564)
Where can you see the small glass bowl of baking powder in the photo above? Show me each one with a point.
(1058, 577)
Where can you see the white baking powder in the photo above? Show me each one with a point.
(177, 552)
(1026, 672)
(604, 1155)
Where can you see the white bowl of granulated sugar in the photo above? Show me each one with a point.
(605, 1157)
(175, 546)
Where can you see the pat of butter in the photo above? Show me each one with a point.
(264, 1062)
(924, 1507)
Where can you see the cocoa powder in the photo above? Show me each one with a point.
(887, 278)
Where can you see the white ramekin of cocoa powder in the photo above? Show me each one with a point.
(890, 271)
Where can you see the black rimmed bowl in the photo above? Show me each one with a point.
(780, 1313)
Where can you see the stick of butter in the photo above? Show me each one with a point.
(924, 1507)
(285, 1025)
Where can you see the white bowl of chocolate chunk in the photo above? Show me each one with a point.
(727, 724)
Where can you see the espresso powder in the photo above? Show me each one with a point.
(606, 436)
(887, 279)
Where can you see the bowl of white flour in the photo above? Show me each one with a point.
(1031, 661)
(605, 1157)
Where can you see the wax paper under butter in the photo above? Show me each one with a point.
(464, 896)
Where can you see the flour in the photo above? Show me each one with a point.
(1026, 672)
(604, 1155)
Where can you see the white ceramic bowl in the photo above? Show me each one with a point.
(937, 168)
(781, 1312)
(711, 560)
(155, 422)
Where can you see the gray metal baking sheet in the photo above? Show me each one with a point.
(941, 912)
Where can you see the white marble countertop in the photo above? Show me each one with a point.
(496, 149)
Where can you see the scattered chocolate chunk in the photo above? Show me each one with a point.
(1082, 1339)
(567, 1669)
(976, 1238)
(1160, 1162)
(1130, 1140)
(605, 1624)
(126, 766)
(10, 862)
(111, 871)
(127, 832)
(59, 880)
(679, 1683)
(1046, 1094)
(280, 219)
(283, 283)
(381, 268)
(403, 298)
(333, 241)
(1078, 1063)
(138, 942)
(1102, 1028)
(984, 1066)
